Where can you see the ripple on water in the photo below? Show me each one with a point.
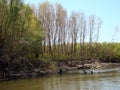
(103, 79)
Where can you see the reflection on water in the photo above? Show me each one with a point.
(106, 79)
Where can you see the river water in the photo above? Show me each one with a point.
(104, 79)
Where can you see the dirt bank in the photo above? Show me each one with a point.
(60, 67)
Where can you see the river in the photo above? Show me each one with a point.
(103, 79)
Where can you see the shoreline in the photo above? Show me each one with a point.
(59, 70)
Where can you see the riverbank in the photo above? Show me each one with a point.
(59, 67)
(110, 65)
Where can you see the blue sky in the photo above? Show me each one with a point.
(107, 10)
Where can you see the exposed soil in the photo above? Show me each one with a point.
(60, 67)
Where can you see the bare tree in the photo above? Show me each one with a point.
(91, 33)
(73, 24)
(82, 34)
(99, 23)
(61, 17)
(116, 34)
(53, 19)
(46, 16)
(62, 32)
(94, 29)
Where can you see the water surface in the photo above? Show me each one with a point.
(104, 79)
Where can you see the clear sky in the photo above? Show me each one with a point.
(107, 10)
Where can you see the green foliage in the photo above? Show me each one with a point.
(20, 35)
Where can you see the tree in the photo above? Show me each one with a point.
(91, 33)
(97, 47)
(46, 17)
(61, 24)
(82, 34)
(74, 32)
(19, 30)
(53, 19)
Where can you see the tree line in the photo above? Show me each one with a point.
(65, 36)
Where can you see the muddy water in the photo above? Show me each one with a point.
(103, 79)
